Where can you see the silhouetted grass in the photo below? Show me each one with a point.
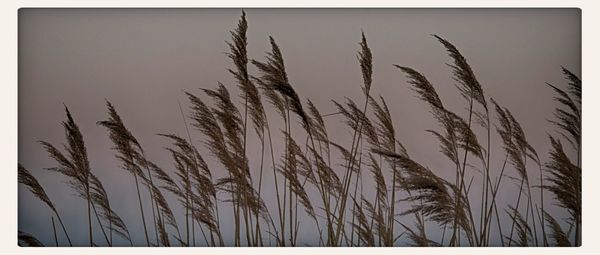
(375, 194)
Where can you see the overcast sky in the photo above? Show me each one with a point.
(143, 59)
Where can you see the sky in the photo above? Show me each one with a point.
(142, 60)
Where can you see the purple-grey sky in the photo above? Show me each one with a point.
(143, 59)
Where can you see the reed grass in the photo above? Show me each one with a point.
(375, 194)
(28, 240)
(27, 179)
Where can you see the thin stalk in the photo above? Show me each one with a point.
(542, 221)
(285, 188)
(484, 204)
(296, 222)
(187, 197)
(537, 210)
(161, 218)
(160, 223)
(275, 178)
(352, 223)
(89, 211)
(152, 200)
(353, 153)
(455, 239)
(527, 210)
(499, 226)
(54, 230)
(262, 157)
(246, 223)
(216, 209)
(100, 224)
(392, 209)
(236, 214)
(462, 186)
(203, 234)
(532, 216)
(154, 217)
(193, 228)
(110, 227)
(324, 197)
(63, 227)
(137, 187)
(377, 206)
(359, 177)
(187, 222)
(251, 226)
(188, 192)
(515, 212)
(578, 215)
(288, 131)
(493, 203)
(245, 135)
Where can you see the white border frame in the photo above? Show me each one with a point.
(8, 111)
